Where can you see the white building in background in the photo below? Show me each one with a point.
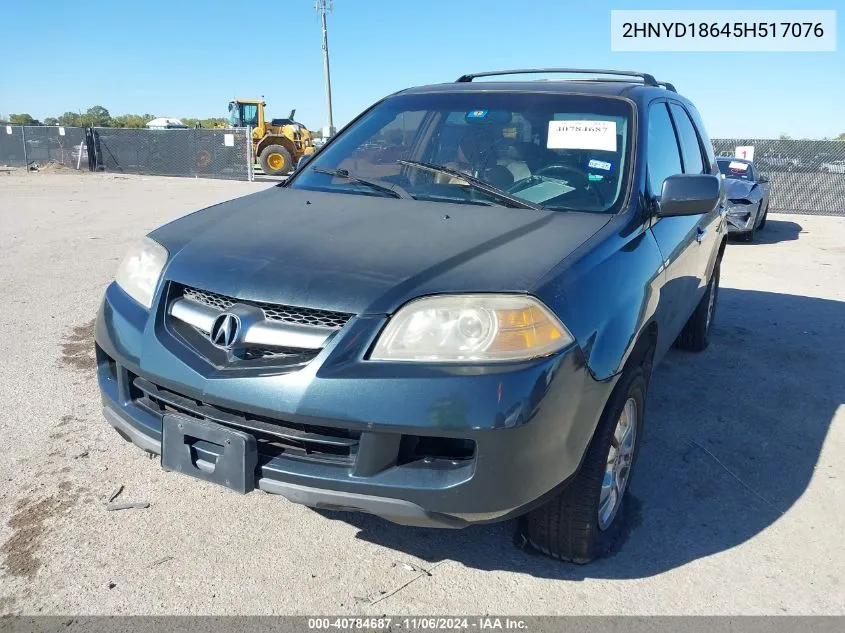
(164, 123)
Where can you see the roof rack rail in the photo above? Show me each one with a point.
(665, 84)
(648, 79)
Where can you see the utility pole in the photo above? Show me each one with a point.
(323, 6)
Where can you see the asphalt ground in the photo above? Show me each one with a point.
(736, 503)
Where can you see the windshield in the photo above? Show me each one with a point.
(734, 169)
(562, 152)
(243, 114)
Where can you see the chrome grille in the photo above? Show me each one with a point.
(272, 312)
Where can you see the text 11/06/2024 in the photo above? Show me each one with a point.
(483, 623)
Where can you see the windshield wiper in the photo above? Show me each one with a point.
(475, 183)
(393, 190)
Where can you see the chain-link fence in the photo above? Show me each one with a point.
(43, 145)
(12, 146)
(205, 153)
(806, 176)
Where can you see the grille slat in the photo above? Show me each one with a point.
(276, 437)
(273, 312)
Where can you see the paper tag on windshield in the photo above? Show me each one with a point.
(737, 166)
(229, 140)
(599, 135)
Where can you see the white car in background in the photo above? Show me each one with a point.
(833, 167)
(779, 162)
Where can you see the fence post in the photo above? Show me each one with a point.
(250, 159)
(89, 144)
(25, 160)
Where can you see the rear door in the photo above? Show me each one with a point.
(676, 236)
(697, 161)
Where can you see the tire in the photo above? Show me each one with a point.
(568, 526)
(763, 221)
(275, 160)
(695, 337)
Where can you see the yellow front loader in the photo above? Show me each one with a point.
(279, 144)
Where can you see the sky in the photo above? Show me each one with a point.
(189, 58)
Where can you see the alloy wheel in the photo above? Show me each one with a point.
(618, 467)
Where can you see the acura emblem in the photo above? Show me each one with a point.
(224, 330)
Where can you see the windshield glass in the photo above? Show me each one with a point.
(563, 152)
(734, 169)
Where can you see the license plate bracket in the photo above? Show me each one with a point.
(209, 451)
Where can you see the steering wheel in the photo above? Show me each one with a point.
(581, 180)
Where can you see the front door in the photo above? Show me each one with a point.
(677, 237)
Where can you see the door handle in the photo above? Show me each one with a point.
(699, 234)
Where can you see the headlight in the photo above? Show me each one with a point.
(459, 328)
(140, 270)
(738, 206)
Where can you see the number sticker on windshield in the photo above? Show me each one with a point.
(597, 135)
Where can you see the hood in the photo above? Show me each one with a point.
(736, 189)
(365, 254)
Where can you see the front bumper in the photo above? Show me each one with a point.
(741, 220)
(528, 423)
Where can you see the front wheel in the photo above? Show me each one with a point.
(583, 522)
(275, 160)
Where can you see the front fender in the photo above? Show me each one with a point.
(608, 297)
(284, 141)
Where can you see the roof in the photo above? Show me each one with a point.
(618, 83)
(612, 88)
(164, 122)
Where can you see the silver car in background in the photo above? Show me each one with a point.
(748, 194)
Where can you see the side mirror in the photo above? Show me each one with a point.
(763, 179)
(303, 160)
(689, 194)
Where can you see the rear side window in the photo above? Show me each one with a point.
(690, 149)
(705, 139)
(663, 157)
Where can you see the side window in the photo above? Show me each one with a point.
(705, 140)
(752, 175)
(663, 158)
(690, 149)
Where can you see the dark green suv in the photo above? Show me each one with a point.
(449, 315)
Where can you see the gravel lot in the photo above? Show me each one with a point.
(736, 505)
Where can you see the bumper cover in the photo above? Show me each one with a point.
(530, 422)
(395, 510)
(741, 222)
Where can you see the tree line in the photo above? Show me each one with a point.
(98, 116)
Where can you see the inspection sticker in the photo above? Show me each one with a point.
(605, 165)
(599, 135)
